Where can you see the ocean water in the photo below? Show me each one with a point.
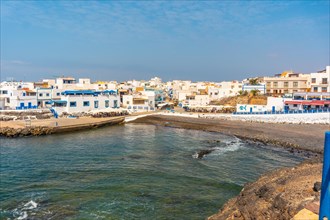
(128, 171)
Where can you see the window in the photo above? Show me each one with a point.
(115, 103)
(324, 89)
(286, 84)
(58, 94)
(295, 105)
(127, 102)
(96, 104)
(107, 103)
(295, 84)
(47, 94)
(40, 94)
(314, 89)
(324, 81)
(24, 94)
(86, 103)
(4, 92)
(73, 104)
(275, 84)
(268, 84)
(313, 80)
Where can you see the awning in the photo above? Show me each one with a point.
(79, 92)
(58, 101)
(308, 102)
(297, 102)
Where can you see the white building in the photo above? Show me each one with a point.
(17, 95)
(230, 88)
(261, 88)
(320, 81)
(140, 101)
(196, 101)
(85, 101)
(274, 104)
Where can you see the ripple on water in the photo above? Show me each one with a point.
(128, 172)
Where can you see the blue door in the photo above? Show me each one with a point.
(22, 104)
(273, 109)
(29, 105)
(250, 109)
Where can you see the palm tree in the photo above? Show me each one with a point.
(254, 92)
(253, 81)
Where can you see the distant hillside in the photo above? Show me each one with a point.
(247, 99)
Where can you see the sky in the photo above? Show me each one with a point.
(188, 40)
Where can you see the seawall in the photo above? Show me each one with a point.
(56, 126)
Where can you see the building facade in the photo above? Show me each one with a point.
(287, 82)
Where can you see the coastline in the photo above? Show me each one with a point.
(281, 193)
(305, 137)
(53, 126)
(277, 188)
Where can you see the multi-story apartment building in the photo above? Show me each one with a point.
(139, 101)
(287, 82)
(225, 89)
(320, 81)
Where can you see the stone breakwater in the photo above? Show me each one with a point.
(23, 132)
(68, 125)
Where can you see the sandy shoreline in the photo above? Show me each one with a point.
(308, 137)
(278, 194)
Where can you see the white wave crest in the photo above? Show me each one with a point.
(30, 205)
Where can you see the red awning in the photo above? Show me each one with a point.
(294, 102)
(317, 102)
(308, 102)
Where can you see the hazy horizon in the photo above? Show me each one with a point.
(189, 40)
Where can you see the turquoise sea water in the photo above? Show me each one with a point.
(128, 172)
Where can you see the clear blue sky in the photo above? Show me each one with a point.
(121, 40)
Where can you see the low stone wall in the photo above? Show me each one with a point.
(8, 115)
(44, 130)
(96, 114)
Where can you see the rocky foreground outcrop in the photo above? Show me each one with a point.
(27, 131)
(277, 195)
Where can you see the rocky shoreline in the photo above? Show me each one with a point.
(24, 132)
(280, 194)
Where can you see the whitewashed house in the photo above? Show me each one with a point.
(85, 100)
(139, 101)
(17, 95)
